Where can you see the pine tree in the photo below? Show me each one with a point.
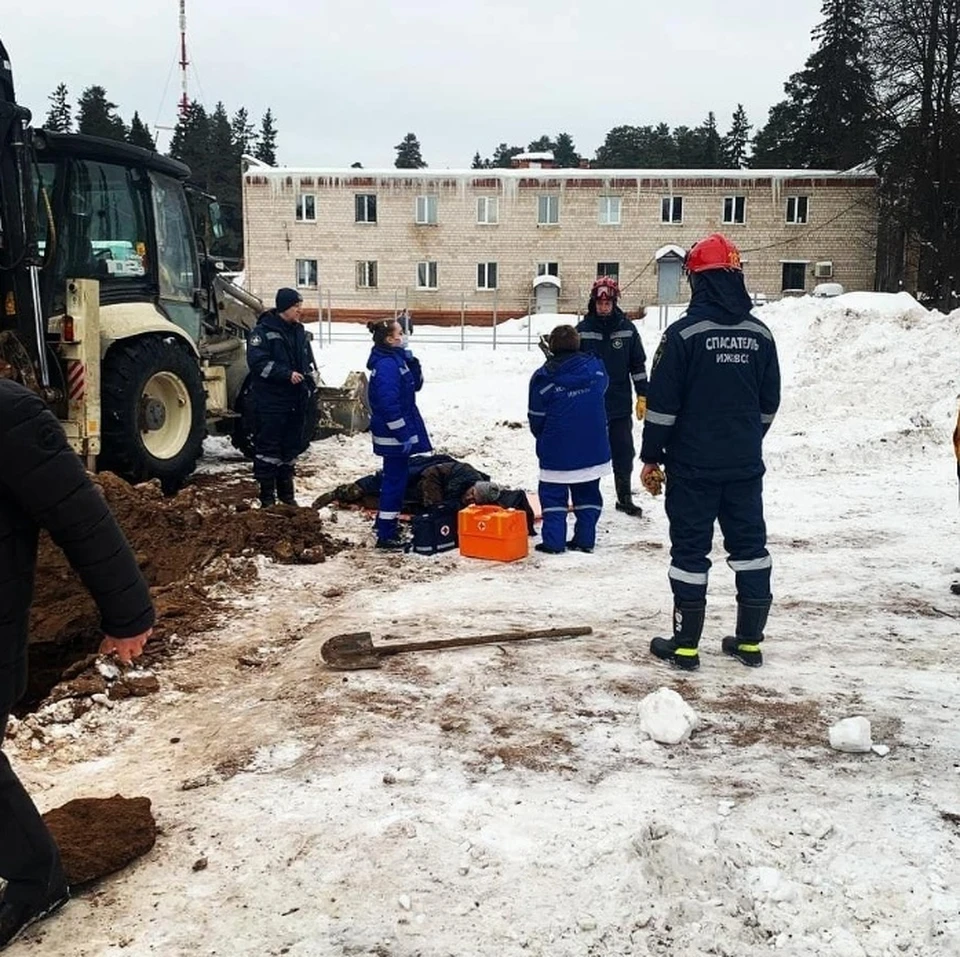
(477, 162)
(777, 144)
(266, 150)
(243, 132)
(829, 111)
(191, 143)
(96, 116)
(408, 153)
(711, 146)
(736, 143)
(139, 133)
(503, 156)
(543, 144)
(60, 116)
(565, 154)
(357, 165)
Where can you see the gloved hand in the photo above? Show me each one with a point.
(641, 407)
(407, 447)
(652, 478)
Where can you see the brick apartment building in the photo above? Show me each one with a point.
(484, 243)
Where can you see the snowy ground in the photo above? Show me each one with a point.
(503, 800)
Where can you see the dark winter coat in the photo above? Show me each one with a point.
(275, 349)
(566, 413)
(615, 340)
(43, 484)
(395, 423)
(446, 484)
(714, 386)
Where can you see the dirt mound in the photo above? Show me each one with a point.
(98, 836)
(207, 534)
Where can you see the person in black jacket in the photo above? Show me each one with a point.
(284, 376)
(714, 391)
(605, 331)
(43, 485)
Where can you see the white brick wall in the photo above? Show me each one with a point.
(841, 228)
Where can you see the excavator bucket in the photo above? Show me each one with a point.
(344, 410)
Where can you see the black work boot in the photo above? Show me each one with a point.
(751, 620)
(15, 917)
(285, 489)
(268, 492)
(625, 496)
(681, 649)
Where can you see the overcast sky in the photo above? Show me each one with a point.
(347, 79)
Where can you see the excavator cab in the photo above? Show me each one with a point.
(169, 361)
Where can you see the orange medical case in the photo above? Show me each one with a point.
(488, 531)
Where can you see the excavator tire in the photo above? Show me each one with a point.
(153, 411)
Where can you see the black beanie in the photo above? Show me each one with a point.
(287, 298)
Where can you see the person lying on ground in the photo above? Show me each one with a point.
(434, 482)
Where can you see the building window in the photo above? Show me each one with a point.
(735, 209)
(365, 205)
(609, 210)
(486, 275)
(307, 273)
(427, 275)
(794, 277)
(367, 274)
(609, 269)
(671, 209)
(797, 209)
(306, 208)
(548, 269)
(426, 211)
(548, 210)
(488, 210)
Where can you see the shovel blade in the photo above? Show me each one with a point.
(350, 652)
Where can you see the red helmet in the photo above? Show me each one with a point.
(714, 252)
(606, 287)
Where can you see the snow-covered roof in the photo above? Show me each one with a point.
(534, 157)
(546, 281)
(670, 248)
(428, 174)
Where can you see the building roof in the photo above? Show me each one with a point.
(426, 175)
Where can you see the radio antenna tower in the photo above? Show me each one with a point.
(184, 98)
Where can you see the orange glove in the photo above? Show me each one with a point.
(652, 478)
(641, 407)
(126, 649)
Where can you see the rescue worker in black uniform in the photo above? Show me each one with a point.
(714, 391)
(284, 379)
(605, 331)
(43, 484)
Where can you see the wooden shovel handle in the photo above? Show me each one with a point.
(438, 643)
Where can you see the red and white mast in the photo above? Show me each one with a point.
(184, 99)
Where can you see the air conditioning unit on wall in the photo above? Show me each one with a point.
(823, 270)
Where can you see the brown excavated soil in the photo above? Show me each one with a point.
(207, 534)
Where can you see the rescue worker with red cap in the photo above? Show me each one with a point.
(606, 332)
(714, 391)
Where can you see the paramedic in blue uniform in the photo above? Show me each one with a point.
(714, 391)
(568, 418)
(395, 424)
(284, 377)
(606, 332)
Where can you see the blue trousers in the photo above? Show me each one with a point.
(693, 505)
(587, 504)
(392, 487)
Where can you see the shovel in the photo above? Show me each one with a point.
(354, 651)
